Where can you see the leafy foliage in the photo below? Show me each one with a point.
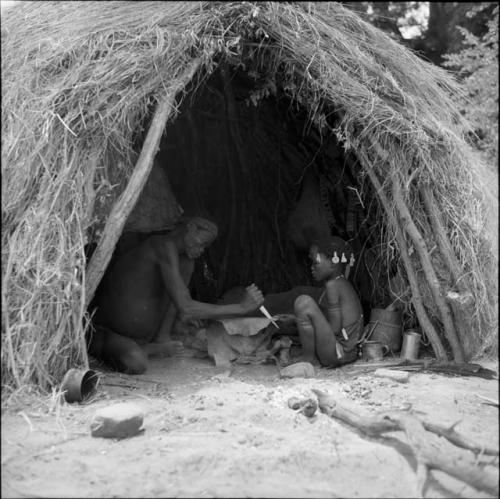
(477, 66)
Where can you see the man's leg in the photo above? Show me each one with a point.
(316, 336)
(120, 352)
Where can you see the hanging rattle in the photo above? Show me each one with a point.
(348, 267)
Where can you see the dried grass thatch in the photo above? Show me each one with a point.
(79, 79)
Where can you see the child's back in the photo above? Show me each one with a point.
(350, 304)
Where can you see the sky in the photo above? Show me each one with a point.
(421, 15)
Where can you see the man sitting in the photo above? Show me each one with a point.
(146, 289)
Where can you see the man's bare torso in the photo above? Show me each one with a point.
(132, 299)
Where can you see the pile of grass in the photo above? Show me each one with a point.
(79, 80)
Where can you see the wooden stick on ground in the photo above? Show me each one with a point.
(430, 454)
(488, 400)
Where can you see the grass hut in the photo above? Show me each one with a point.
(243, 102)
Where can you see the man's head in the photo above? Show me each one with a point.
(199, 234)
(329, 257)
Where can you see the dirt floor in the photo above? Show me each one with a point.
(210, 436)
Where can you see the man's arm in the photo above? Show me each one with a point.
(193, 309)
(166, 325)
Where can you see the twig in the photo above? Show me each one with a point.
(123, 385)
(488, 400)
(460, 440)
(135, 378)
(47, 449)
(23, 414)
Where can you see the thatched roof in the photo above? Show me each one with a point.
(79, 80)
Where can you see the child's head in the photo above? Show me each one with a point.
(329, 257)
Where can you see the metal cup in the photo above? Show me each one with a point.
(374, 350)
(78, 384)
(411, 345)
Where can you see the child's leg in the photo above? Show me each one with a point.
(318, 341)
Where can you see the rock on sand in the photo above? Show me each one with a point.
(400, 376)
(117, 421)
(298, 370)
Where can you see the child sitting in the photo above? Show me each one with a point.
(330, 328)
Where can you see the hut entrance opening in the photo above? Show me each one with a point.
(255, 165)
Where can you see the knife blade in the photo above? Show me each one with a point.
(268, 315)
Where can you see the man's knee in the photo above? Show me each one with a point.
(134, 362)
(303, 304)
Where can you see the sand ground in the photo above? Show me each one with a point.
(210, 436)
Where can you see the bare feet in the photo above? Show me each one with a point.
(165, 349)
(222, 372)
(312, 359)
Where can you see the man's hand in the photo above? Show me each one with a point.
(194, 323)
(253, 298)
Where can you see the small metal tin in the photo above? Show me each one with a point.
(78, 384)
(374, 350)
(411, 345)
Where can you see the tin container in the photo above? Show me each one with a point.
(411, 345)
(374, 350)
(386, 327)
(78, 384)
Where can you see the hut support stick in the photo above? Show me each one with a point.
(423, 318)
(428, 269)
(130, 195)
(462, 313)
(408, 226)
(441, 238)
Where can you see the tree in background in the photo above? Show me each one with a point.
(385, 15)
(477, 66)
(429, 28)
(460, 36)
(441, 35)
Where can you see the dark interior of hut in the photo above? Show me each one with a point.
(256, 165)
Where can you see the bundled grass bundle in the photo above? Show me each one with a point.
(80, 80)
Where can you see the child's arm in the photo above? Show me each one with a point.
(333, 306)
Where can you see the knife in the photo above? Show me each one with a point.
(268, 315)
